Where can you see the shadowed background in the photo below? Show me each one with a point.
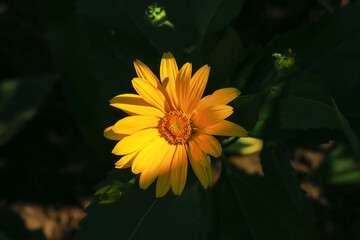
(50, 162)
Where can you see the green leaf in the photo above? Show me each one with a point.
(139, 215)
(19, 102)
(247, 109)
(212, 15)
(353, 139)
(272, 206)
(306, 104)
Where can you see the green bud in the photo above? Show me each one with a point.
(285, 61)
(113, 192)
(156, 16)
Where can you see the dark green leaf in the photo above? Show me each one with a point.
(225, 58)
(353, 139)
(212, 15)
(306, 104)
(19, 101)
(273, 206)
(139, 215)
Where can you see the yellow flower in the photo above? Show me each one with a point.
(170, 124)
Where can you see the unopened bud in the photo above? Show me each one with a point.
(156, 16)
(284, 61)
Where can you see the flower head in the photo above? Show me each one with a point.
(171, 125)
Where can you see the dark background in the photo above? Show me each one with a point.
(48, 168)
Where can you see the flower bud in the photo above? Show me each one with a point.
(155, 15)
(285, 61)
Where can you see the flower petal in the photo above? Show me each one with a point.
(197, 86)
(221, 96)
(204, 174)
(110, 134)
(168, 67)
(211, 115)
(197, 154)
(126, 160)
(132, 124)
(154, 162)
(225, 128)
(135, 105)
(135, 141)
(208, 144)
(163, 185)
(150, 154)
(182, 83)
(169, 71)
(179, 167)
(145, 73)
(151, 94)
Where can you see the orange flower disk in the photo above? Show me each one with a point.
(171, 125)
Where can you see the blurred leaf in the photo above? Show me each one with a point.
(353, 139)
(140, 216)
(245, 146)
(339, 167)
(344, 168)
(19, 101)
(273, 205)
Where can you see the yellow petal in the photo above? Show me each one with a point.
(221, 96)
(153, 162)
(126, 160)
(146, 179)
(179, 167)
(150, 154)
(197, 86)
(211, 115)
(132, 124)
(225, 128)
(204, 174)
(150, 94)
(168, 73)
(197, 154)
(145, 73)
(182, 83)
(135, 141)
(162, 185)
(110, 134)
(208, 144)
(168, 67)
(135, 105)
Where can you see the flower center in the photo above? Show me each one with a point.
(175, 127)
